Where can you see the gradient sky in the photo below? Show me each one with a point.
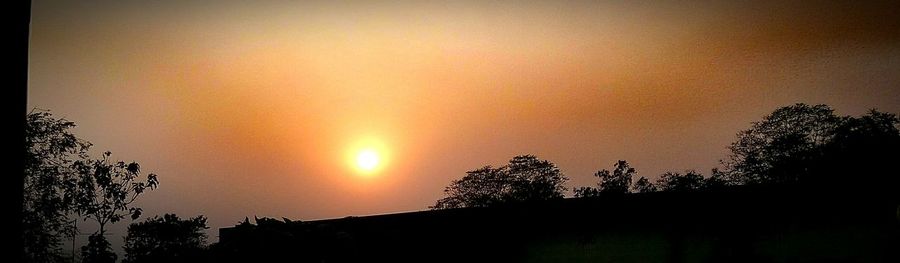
(247, 108)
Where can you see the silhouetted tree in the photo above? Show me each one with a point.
(525, 178)
(534, 179)
(779, 148)
(616, 182)
(871, 129)
(61, 180)
(586, 191)
(863, 146)
(716, 180)
(165, 239)
(643, 185)
(98, 250)
(479, 188)
(677, 182)
(811, 146)
(105, 190)
(50, 151)
(104, 193)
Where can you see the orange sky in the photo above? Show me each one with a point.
(249, 109)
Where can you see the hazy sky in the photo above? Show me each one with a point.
(247, 108)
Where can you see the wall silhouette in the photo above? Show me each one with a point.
(743, 224)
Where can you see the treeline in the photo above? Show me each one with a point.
(807, 147)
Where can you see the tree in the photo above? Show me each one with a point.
(165, 239)
(779, 148)
(717, 180)
(865, 147)
(862, 135)
(534, 179)
(61, 180)
(677, 182)
(98, 250)
(643, 185)
(104, 193)
(810, 146)
(524, 178)
(481, 187)
(616, 182)
(586, 191)
(50, 151)
(105, 190)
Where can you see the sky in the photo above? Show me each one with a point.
(256, 108)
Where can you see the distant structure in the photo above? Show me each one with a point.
(741, 225)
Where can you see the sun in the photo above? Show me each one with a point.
(367, 160)
(368, 156)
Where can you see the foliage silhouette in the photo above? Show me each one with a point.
(717, 180)
(810, 146)
(524, 178)
(643, 185)
(777, 149)
(617, 182)
(106, 190)
(98, 250)
(862, 147)
(62, 181)
(800, 145)
(678, 182)
(165, 239)
(50, 151)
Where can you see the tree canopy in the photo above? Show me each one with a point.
(805, 145)
(616, 182)
(62, 181)
(776, 149)
(165, 239)
(105, 190)
(643, 185)
(524, 178)
(50, 150)
(680, 182)
(810, 145)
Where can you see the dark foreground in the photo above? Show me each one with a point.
(737, 225)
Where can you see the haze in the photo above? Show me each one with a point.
(250, 109)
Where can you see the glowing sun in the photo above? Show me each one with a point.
(367, 160)
(368, 156)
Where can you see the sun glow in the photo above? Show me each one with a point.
(367, 160)
(368, 156)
